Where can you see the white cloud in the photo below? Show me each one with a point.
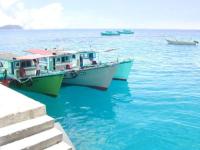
(5, 4)
(46, 17)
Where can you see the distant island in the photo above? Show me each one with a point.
(15, 27)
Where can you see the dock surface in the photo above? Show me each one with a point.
(24, 124)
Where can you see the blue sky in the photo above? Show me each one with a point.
(47, 14)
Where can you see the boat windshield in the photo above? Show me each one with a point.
(26, 64)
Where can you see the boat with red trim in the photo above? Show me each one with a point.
(21, 72)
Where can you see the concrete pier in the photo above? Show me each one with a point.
(24, 124)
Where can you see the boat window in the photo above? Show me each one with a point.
(23, 64)
(74, 56)
(17, 64)
(84, 55)
(63, 59)
(58, 59)
(26, 64)
(91, 55)
(43, 59)
(67, 59)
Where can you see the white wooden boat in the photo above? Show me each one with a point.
(98, 77)
(123, 66)
(178, 42)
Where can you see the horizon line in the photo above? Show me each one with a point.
(108, 29)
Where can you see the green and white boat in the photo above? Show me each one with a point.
(20, 72)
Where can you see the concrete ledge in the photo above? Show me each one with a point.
(25, 125)
(60, 146)
(24, 129)
(15, 107)
(65, 136)
(36, 142)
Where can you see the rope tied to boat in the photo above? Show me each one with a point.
(28, 81)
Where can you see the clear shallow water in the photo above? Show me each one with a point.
(159, 106)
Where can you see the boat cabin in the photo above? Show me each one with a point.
(59, 60)
(20, 66)
(88, 58)
(65, 60)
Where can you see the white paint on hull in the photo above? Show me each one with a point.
(175, 42)
(98, 77)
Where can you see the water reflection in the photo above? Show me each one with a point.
(82, 101)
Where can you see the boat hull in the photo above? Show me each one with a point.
(180, 42)
(98, 77)
(46, 84)
(123, 70)
(126, 32)
(110, 34)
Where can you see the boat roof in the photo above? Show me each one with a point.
(31, 57)
(87, 51)
(51, 52)
(7, 56)
(11, 57)
(39, 51)
(93, 51)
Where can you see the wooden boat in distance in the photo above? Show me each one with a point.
(179, 42)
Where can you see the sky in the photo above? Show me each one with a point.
(59, 14)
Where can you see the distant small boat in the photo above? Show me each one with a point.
(126, 31)
(179, 42)
(110, 33)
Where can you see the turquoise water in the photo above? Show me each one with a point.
(157, 109)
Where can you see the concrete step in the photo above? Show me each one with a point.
(60, 146)
(38, 141)
(24, 129)
(15, 107)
